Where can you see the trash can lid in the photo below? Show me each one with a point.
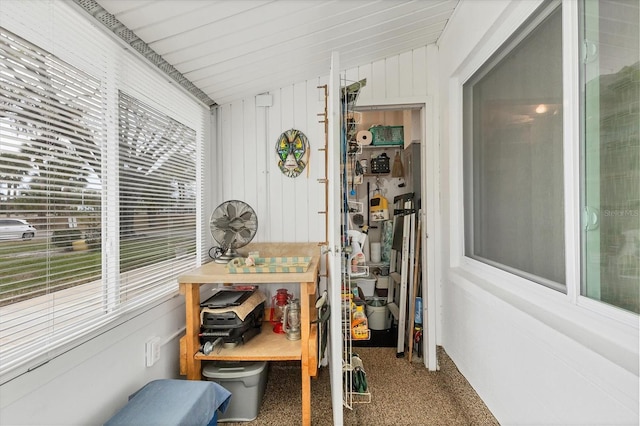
(376, 302)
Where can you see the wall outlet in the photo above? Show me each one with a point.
(152, 351)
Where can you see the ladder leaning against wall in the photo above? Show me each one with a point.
(401, 264)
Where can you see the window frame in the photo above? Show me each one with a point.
(606, 329)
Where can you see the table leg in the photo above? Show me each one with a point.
(192, 305)
(305, 318)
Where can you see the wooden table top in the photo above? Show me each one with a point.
(217, 273)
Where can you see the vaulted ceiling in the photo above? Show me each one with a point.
(224, 50)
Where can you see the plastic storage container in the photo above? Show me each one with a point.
(368, 286)
(246, 381)
(382, 282)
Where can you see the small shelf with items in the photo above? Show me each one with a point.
(357, 271)
(354, 328)
(354, 235)
(356, 386)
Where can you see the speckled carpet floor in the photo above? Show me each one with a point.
(401, 394)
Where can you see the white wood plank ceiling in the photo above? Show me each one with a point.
(234, 49)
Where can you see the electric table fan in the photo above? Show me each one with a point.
(233, 225)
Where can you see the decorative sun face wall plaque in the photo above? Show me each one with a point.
(293, 152)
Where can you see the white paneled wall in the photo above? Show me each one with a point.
(397, 78)
(287, 208)
(246, 135)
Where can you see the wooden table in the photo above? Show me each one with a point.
(266, 346)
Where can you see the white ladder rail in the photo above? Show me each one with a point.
(397, 297)
(410, 284)
(404, 265)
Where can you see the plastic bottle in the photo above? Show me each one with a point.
(358, 315)
(418, 311)
(359, 324)
(357, 257)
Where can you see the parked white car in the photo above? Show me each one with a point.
(11, 229)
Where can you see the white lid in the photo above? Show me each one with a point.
(376, 302)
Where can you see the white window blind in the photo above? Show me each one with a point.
(51, 146)
(60, 173)
(157, 168)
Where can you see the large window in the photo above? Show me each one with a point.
(513, 175)
(610, 82)
(88, 229)
(513, 148)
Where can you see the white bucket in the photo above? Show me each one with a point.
(378, 314)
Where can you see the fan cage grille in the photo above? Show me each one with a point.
(233, 224)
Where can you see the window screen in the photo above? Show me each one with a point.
(514, 216)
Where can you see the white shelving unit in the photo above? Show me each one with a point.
(351, 366)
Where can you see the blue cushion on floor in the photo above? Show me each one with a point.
(174, 402)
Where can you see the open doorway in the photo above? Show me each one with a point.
(398, 139)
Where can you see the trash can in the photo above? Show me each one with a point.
(378, 314)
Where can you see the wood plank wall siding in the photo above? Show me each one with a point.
(244, 138)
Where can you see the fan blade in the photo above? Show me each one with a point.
(231, 211)
(229, 238)
(246, 215)
(245, 232)
(236, 224)
(222, 222)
